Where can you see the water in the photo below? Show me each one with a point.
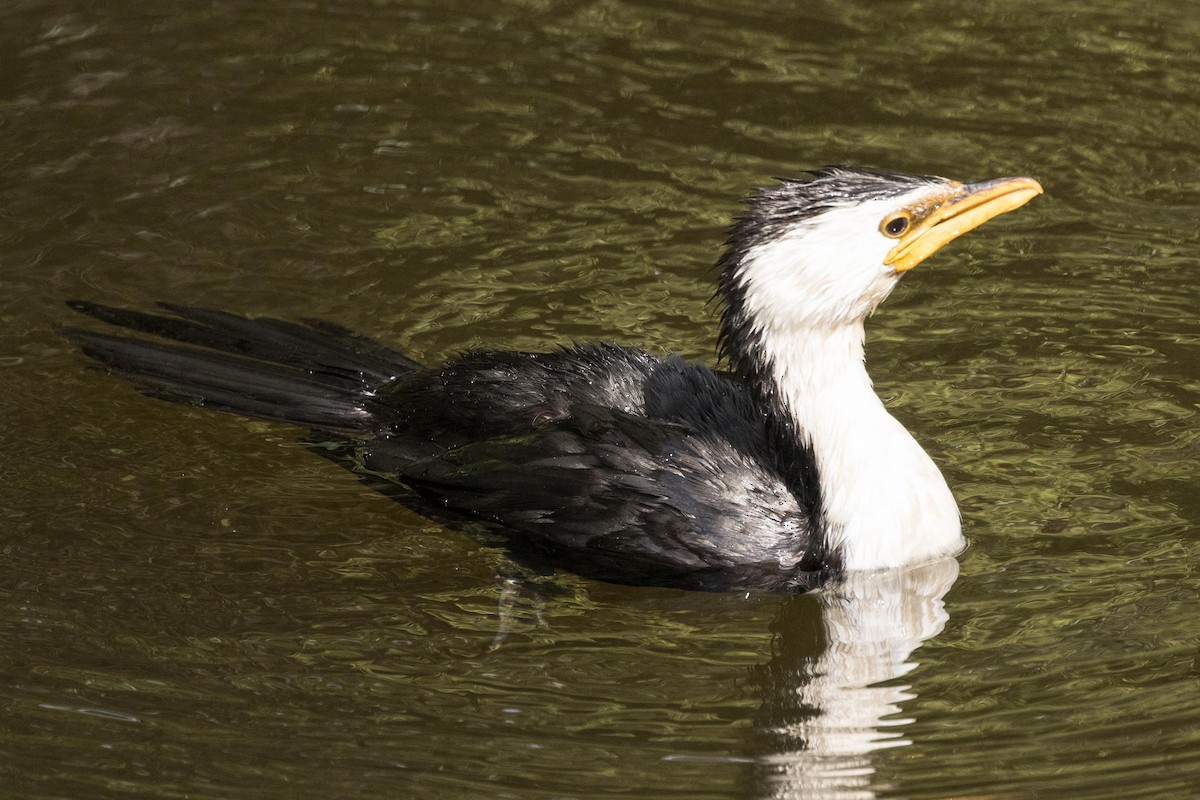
(192, 605)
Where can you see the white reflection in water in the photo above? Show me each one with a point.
(843, 702)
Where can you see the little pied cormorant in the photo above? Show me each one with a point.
(618, 464)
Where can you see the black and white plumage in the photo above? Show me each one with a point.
(622, 465)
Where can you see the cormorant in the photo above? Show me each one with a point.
(622, 465)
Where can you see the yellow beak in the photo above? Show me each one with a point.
(965, 208)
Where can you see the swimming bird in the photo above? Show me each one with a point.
(615, 463)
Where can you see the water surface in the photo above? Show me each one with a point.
(193, 605)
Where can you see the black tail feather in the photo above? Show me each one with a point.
(314, 374)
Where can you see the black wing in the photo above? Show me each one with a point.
(625, 498)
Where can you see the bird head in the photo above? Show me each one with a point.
(825, 249)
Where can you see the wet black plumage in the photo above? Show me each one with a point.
(595, 455)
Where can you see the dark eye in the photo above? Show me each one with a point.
(896, 225)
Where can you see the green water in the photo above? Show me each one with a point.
(193, 605)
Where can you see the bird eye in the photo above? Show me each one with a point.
(895, 225)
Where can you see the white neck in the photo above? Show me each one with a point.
(885, 502)
(801, 297)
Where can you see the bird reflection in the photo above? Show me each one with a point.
(830, 691)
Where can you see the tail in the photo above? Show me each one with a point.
(313, 373)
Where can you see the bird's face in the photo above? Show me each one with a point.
(828, 250)
(928, 220)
